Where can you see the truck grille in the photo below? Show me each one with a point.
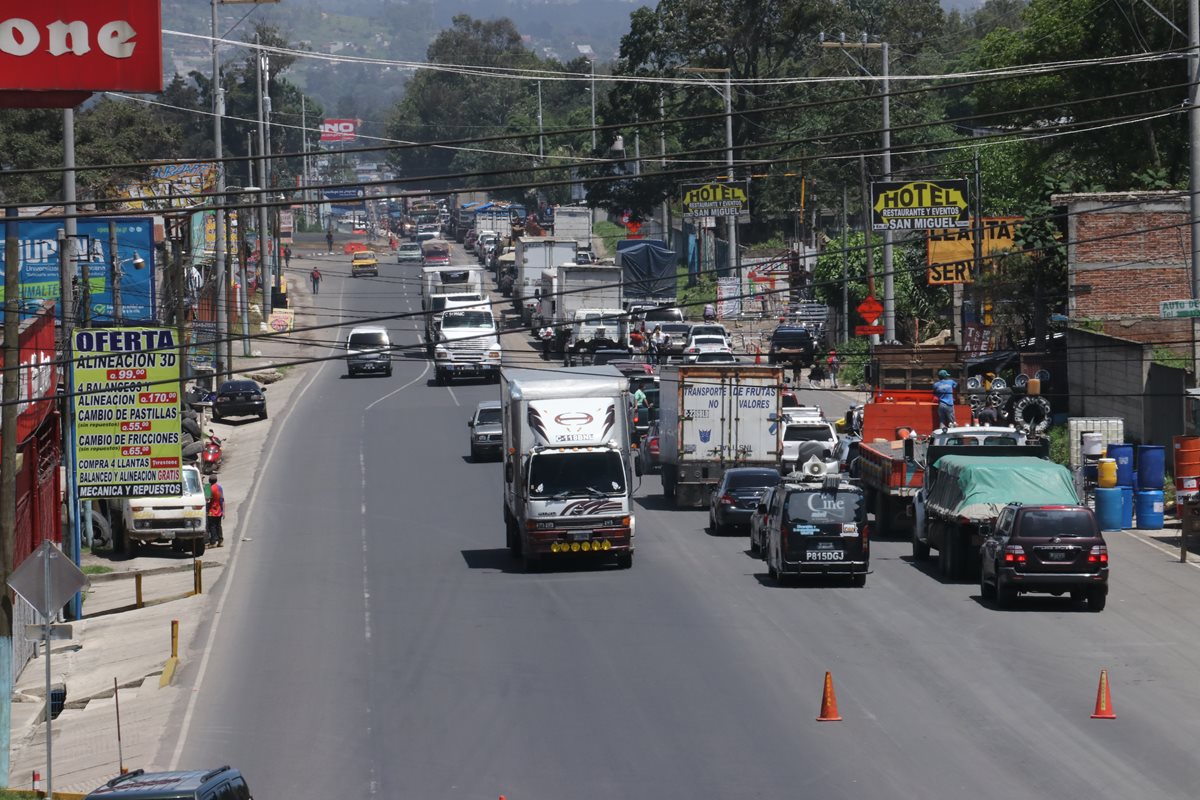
(469, 349)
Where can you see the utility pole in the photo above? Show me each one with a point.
(592, 61)
(889, 289)
(845, 267)
(662, 163)
(227, 340)
(8, 476)
(1194, 156)
(219, 244)
(304, 158)
(115, 259)
(263, 276)
(541, 140)
(976, 253)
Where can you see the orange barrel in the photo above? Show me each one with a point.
(1106, 473)
(1187, 456)
(1187, 484)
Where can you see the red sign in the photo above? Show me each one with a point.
(38, 372)
(867, 330)
(870, 310)
(339, 130)
(73, 46)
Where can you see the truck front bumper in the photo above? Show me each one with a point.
(579, 541)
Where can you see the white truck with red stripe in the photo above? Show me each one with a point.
(568, 474)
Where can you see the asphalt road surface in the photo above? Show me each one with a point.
(377, 641)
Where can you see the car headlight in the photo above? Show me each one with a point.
(441, 354)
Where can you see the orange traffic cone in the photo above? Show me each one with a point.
(829, 709)
(1104, 709)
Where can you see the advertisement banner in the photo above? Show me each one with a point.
(729, 298)
(204, 234)
(38, 247)
(127, 418)
(282, 320)
(38, 373)
(952, 251)
(716, 200)
(919, 205)
(97, 46)
(171, 186)
(287, 225)
(339, 130)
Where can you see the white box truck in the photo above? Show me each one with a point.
(440, 285)
(535, 255)
(568, 474)
(711, 418)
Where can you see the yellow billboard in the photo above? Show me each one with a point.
(951, 251)
(127, 412)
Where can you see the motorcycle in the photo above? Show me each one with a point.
(210, 459)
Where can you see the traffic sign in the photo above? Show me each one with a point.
(47, 579)
(867, 330)
(1179, 309)
(870, 310)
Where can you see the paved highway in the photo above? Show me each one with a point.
(375, 640)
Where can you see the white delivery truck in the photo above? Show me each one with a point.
(574, 222)
(535, 255)
(587, 287)
(468, 344)
(568, 474)
(713, 417)
(442, 284)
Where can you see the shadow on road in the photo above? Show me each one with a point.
(930, 568)
(806, 582)
(1038, 603)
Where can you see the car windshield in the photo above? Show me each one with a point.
(819, 506)
(708, 330)
(410, 248)
(753, 480)
(191, 482)
(487, 416)
(1057, 522)
(806, 433)
(363, 341)
(576, 474)
(467, 319)
(661, 314)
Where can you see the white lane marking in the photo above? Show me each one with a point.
(424, 372)
(267, 458)
(1141, 537)
(453, 397)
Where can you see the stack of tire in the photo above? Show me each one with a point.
(1030, 412)
(192, 437)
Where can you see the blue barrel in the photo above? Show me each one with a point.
(1108, 509)
(1090, 472)
(1149, 506)
(1151, 459)
(1123, 455)
(1126, 506)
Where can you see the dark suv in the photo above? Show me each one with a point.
(1045, 548)
(222, 783)
(792, 344)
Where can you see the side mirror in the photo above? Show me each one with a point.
(637, 467)
(262, 388)
(470, 423)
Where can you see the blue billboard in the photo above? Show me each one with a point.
(38, 249)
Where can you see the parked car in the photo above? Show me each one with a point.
(240, 398)
(758, 522)
(1045, 548)
(364, 263)
(607, 355)
(792, 345)
(737, 495)
(486, 433)
(409, 253)
(817, 526)
(224, 783)
(648, 450)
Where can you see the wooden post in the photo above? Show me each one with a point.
(174, 638)
(197, 583)
(137, 590)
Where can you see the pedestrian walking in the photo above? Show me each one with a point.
(832, 364)
(329, 240)
(287, 257)
(315, 276)
(546, 334)
(656, 344)
(216, 512)
(663, 348)
(943, 390)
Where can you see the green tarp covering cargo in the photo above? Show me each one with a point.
(977, 487)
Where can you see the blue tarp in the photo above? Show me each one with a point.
(647, 268)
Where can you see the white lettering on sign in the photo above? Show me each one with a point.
(20, 37)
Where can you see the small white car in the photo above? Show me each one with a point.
(704, 344)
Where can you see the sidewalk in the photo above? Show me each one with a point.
(115, 641)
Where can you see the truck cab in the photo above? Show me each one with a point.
(179, 520)
(816, 524)
(594, 328)
(468, 344)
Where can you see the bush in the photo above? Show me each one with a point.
(854, 354)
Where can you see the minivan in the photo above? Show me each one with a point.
(222, 783)
(368, 349)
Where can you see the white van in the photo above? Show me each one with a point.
(368, 349)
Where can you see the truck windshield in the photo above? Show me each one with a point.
(818, 507)
(191, 482)
(1058, 522)
(597, 319)
(467, 319)
(574, 474)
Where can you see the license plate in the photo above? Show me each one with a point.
(825, 555)
(580, 536)
(1056, 555)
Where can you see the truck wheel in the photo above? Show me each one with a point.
(754, 548)
(920, 550)
(438, 378)
(530, 563)
(514, 538)
(772, 573)
(668, 481)
(1097, 599)
(624, 560)
(986, 590)
(883, 523)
